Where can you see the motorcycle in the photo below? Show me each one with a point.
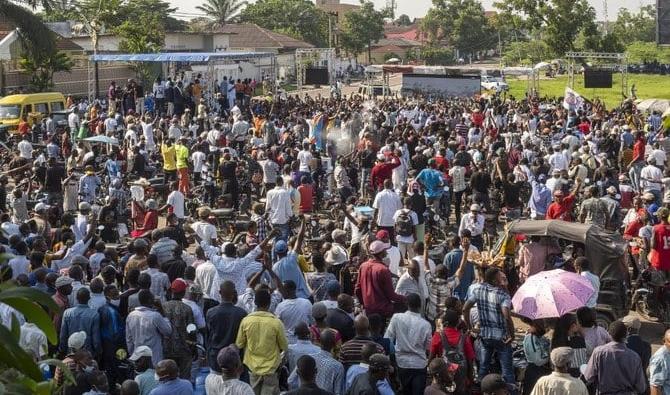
(651, 298)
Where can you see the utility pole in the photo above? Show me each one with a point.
(390, 5)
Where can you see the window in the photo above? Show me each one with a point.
(27, 109)
(57, 106)
(42, 108)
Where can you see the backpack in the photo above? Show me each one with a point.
(456, 356)
(404, 225)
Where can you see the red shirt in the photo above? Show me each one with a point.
(453, 336)
(562, 210)
(375, 289)
(638, 150)
(381, 172)
(659, 256)
(306, 198)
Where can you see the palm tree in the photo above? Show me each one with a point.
(221, 12)
(32, 30)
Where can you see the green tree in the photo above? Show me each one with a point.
(142, 32)
(641, 26)
(222, 11)
(526, 53)
(42, 66)
(19, 374)
(462, 23)
(647, 52)
(403, 20)
(296, 18)
(557, 22)
(361, 29)
(32, 30)
(437, 56)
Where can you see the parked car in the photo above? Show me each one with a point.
(494, 83)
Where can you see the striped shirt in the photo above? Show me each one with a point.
(350, 353)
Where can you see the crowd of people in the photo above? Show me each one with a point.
(328, 274)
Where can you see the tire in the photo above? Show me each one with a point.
(604, 319)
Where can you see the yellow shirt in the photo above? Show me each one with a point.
(182, 156)
(169, 157)
(262, 337)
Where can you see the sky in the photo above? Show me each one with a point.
(418, 8)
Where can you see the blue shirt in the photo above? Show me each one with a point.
(431, 179)
(81, 318)
(490, 301)
(354, 371)
(452, 261)
(173, 387)
(659, 369)
(540, 199)
(287, 269)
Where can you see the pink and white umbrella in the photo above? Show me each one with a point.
(551, 294)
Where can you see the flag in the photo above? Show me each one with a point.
(572, 100)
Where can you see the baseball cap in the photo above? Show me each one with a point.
(178, 285)
(77, 340)
(492, 383)
(378, 246)
(648, 196)
(611, 189)
(139, 352)
(382, 234)
(281, 247)
(63, 281)
(41, 207)
(84, 206)
(475, 207)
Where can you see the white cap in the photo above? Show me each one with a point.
(77, 340)
(475, 207)
(41, 207)
(141, 351)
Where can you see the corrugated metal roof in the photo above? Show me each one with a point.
(250, 35)
(179, 56)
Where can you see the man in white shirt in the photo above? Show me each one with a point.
(205, 231)
(25, 148)
(406, 221)
(305, 158)
(474, 222)
(411, 334)
(557, 160)
(386, 203)
(583, 267)
(73, 121)
(651, 179)
(240, 132)
(198, 158)
(279, 209)
(175, 202)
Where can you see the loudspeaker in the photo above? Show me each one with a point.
(595, 78)
(663, 22)
(316, 76)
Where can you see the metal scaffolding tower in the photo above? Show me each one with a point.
(619, 63)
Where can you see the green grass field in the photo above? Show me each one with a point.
(647, 87)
